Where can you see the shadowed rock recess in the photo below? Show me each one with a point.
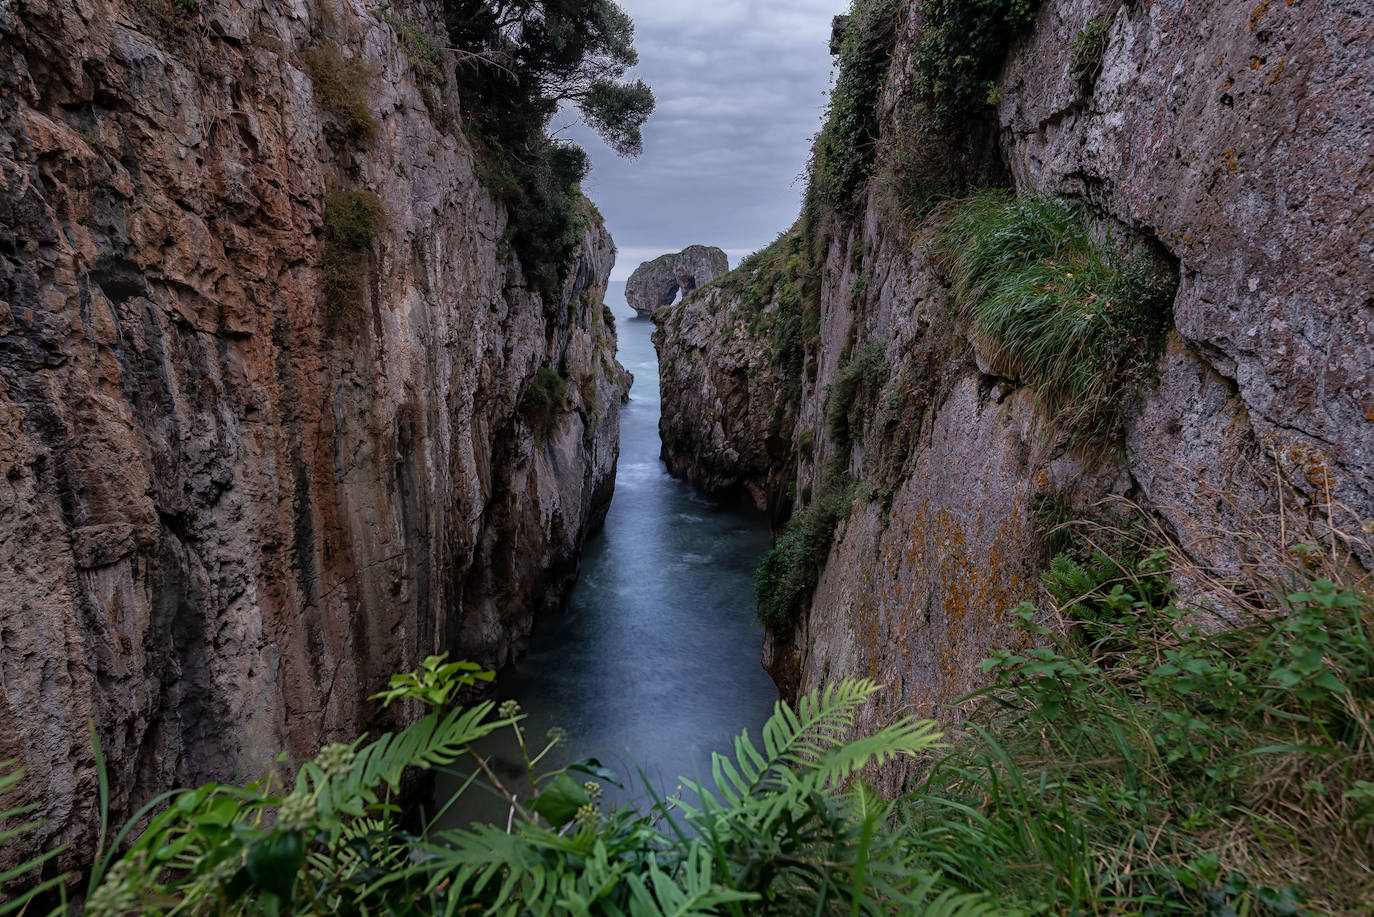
(656, 283)
(228, 509)
(1228, 142)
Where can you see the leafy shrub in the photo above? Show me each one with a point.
(351, 222)
(340, 87)
(1163, 767)
(788, 573)
(1080, 323)
(1085, 56)
(961, 49)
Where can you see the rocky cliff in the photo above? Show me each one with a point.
(656, 283)
(834, 375)
(246, 476)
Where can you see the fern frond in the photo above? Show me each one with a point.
(791, 738)
(905, 737)
(697, 896)
(434, 741)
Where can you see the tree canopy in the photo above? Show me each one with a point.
(540, 53)
(523, 60)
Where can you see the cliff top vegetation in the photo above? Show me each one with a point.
(521, 60)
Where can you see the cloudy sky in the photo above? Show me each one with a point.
(741, 85)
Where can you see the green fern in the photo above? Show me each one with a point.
(434, 741)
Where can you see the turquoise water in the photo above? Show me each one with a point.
(654, 662)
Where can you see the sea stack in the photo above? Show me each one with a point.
(655, 283)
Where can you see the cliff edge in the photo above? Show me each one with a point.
(279, 413)
(841, 376)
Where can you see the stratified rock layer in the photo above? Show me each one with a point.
(656, 283)
(1230, 137)
(228, 513)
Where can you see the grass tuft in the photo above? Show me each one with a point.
(340, 87)
(1080, 322)
(351, 221)
(1089, 46)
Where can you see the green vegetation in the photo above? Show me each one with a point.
(1081, 323)
(351, 221)
(788, 573)
(522, 59)
(851, 402)
(1142, 763)
(340, 87)
(1089, 45)
(961, 49)
(844, 153)
(545, 397)
(427, 63)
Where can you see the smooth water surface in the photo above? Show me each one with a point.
(654, 663)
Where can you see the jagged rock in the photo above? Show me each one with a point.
(226, 514)
(656, 283)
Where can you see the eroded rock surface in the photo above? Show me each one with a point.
(1224, 135)
(656, 283)
(228, 513)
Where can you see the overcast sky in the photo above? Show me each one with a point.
(741, 85)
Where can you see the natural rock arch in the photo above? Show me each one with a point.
(655, 283)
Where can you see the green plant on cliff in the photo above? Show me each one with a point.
(788, 573)
(1133, 761)
(1085, 55)
(1080, 322)
(961, 48)
(427, 63)
(341, 84)
(844, 151)
(544, 398)
(351, 222)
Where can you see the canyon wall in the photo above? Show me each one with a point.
(1227, 140)
(229, 510)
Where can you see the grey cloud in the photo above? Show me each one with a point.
(741, 91)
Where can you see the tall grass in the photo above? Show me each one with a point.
(1081, 322)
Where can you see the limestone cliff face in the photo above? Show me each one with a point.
(1229, 138)
(227, 512)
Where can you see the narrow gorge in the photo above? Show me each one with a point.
(997, 540)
